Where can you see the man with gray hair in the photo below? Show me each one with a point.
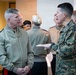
(16, 54)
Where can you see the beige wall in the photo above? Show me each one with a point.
(27, 8)
(3, 7)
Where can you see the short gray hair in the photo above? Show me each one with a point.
(10, 11)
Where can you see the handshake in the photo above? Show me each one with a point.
(44, 45)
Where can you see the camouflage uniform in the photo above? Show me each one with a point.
(66, 50)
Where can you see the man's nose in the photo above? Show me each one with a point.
(20, 18)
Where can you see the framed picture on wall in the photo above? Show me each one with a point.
(12, 5)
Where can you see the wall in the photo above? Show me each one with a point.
(27, 8)
(3, 7)
(45, 8)
(74, 1)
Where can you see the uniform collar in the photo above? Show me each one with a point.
(66, 28)
(35, 27)
(12, 31)
(58, 28)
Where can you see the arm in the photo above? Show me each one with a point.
(66, 48)
(4, 61)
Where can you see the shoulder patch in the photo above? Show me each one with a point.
(1, 30)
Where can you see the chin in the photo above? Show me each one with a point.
(20, 24)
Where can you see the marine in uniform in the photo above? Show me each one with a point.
(38, 36)
(66, 57)
(16, 54)
(66, 45)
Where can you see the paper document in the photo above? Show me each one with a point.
(44, 45)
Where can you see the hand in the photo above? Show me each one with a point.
(44, 45)
(20, 71)
(49, 58)
(26, 70)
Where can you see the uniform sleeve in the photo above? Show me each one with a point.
(66, 49)
(54, 46)
(4, 61)
(30, 55)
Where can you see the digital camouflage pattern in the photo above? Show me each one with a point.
(66, 48)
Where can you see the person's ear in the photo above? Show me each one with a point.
(8, 20)
(64, 14)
